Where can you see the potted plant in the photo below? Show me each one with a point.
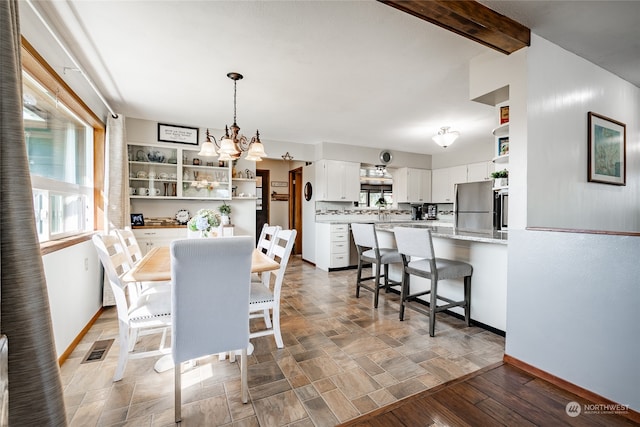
(500, 178)
(225, 210)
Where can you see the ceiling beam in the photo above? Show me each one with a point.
(469, 19)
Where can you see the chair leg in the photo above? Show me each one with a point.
(244, 376)
(376, 285)
(276, 326)
(267, 318)
(404, 291)
(432, 307)
(386, 278)
(358, 278)
(123, 355)
(177, 392)
(467, 300)
(133, 339)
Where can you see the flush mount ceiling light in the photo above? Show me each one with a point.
(445, 137)
(232, 146)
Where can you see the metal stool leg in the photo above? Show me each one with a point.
(404, 291)
(432, 307)
(358, 277)
(376, 285)
(467, 300)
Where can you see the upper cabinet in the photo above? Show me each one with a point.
(480, 171)
(337, 181)
(444, 181)
(412, 185)
(170, 173)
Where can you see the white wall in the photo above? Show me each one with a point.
(75, 294)
(563, 88)
(572, 298)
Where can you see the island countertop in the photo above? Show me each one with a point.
(498, 237)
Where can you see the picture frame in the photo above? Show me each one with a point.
(607, 151)
(177, 134)
(503, 146)
(279, 184)
(137, 219)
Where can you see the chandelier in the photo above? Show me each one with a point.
(445, 137)
(232, 146)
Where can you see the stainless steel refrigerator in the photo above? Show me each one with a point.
(474, 206)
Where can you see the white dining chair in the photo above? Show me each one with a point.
(265, 244)
(134, 255)
(265, 299)
(265, 241)
(419, 259)
(210, 302)
(143, 315)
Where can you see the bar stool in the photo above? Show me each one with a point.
(417, 242)
(366, 240)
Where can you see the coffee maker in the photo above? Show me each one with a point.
(416, 212)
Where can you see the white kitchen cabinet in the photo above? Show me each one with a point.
(412, 185)
(444, 181)
(337, 181)
(480, 171)
(149, 238)
(332, 246)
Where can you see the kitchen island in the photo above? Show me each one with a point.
(486, 252)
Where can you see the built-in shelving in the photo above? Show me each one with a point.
(502, 130)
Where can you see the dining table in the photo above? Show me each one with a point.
(155, 266)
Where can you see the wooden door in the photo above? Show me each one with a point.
(262, 205)
(295, 207)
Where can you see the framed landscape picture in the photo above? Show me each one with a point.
(607, 153)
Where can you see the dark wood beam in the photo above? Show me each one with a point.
(469, 19)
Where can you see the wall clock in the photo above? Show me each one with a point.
(308, 191)
(386, 157)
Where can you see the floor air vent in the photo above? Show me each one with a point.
(98, 351)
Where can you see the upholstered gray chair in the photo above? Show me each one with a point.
(138, 314)
(210, 302)
(366, 240)
(418, 258)
(265, 298)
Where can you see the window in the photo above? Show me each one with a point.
(60, 151)
(370, 194)
(61, 136)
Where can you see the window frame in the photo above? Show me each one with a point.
(45, 75)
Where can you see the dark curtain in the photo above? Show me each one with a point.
(35, 389)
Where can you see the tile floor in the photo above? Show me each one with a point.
(342, 359)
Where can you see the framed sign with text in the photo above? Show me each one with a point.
(177, 134)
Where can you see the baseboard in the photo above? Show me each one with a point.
(65, 355)
(567, 386)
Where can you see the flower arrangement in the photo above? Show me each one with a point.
(204, 221)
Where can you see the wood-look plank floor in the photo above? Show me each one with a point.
(499, 395)
(341, 359)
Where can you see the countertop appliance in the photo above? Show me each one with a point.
(416, 212)
(474, 206)
(432, 211)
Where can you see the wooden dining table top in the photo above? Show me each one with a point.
(155, 266)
